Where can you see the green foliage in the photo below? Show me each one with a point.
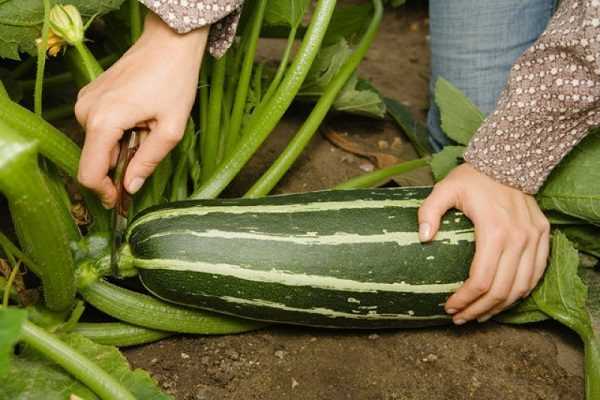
(33, 375)
(460, 117)
(586, 238)
(286, 13)
(348, 22)
(573, 188)
(11, 320)
(356, 97)
(21, 21)
(414, 130)
(445, 161)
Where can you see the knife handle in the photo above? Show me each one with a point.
(128, 145)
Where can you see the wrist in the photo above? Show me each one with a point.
(160, 34)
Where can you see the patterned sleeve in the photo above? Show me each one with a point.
(186, 15)
(549, 104)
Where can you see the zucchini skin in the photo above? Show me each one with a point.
(338, 259)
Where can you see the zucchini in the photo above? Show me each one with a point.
(340, 259)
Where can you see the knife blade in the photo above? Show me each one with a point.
(128, 145)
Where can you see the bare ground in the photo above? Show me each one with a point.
(489, 361)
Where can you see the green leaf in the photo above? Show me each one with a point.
(558, 218)
(33, 377)
(347, 22)
(323, 69)
(11, 320)
(586, 238)
(285, 13)
(562, 295)
(360, 97)
(414, 130)
(591, 278)
(524, 312)
(445, 161)
(20, 22)
(573, 188)
(460, 117)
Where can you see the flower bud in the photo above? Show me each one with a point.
(66, 23)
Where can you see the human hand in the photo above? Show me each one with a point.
(152, 86)
(511, 241)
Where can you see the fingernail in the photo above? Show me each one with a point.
(460, 321)
(484, 318)
(424, 231)
(451, 310)
(135, 185)
(106, 206)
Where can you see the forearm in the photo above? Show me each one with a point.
(548, 105)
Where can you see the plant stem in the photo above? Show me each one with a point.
(291, 153)
(241, 94)
(9, 283)
(38, 219)
(118, 334)
(211, 142)
(41, 61)
(149, 312)
(58, 112)
(14, 251)
(135, 20)
(592, 368)
(204, 86)
(65, 77)
(264, 124)
(83, 65)
(53, 144)
(280, 71)
(82, 368)
(375, 178)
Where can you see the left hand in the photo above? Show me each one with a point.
(511, 237)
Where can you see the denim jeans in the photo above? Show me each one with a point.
(474, 44)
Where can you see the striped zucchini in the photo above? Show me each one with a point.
(343, 259)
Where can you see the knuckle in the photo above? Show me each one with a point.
(480, 287)
(96, 121)
(520, 238)
(172, 136)
(498, 296)
(544, 226)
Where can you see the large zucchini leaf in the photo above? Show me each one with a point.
(21, 20)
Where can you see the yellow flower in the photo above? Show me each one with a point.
(55, 44)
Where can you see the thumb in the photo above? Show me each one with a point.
(159, 142)
(441, 199)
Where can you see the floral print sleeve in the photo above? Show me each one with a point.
(186, 15)
(551, 101)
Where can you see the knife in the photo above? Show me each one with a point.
(128, 145)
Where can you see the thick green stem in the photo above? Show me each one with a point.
(40, 224)
(278, 75)
(82, 368)
(53, 144)
(215, 103)
(118, 333)
(592, 369)
(241, 94)
(148, 312)
(135, 20)
(375, 178)
(83, 65)
(203, 109)
(274, 174)
(41, 61)
(264, 124)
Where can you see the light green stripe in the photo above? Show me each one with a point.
(326, 312)
(276, 209)
(292, 279)
(312, 238)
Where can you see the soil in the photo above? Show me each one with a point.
(477, 361)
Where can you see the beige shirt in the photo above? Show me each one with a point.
(549, 104)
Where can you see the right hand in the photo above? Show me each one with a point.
(152, 86)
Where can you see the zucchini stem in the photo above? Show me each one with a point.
(210, 149)
(265, 123)
(118, 334)
(241, 94)
(375, 178)
(82, 368)
(41, 61)
(135, 20)
(291, 153)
